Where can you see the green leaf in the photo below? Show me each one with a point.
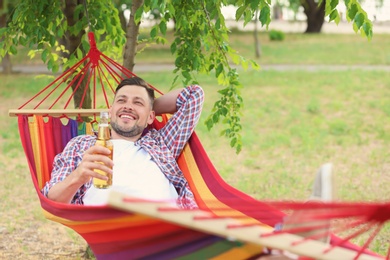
(50, 64)
(138, 15)
(352, 11)
(55, 67)
(255, 65)
(240, 11)
(31, 54)
(224, 111)
(354, 26)
(218, 24)
(233, 142)
(12, 49)
(254, 4)
(79, 53)
(334, 16)
(163, 27)
(171, 9)
(196, 63)
(23, 41)
(359, 20)
(367, 28)
(247, 16)
(45, 54)
(239, 146)
(223, 91)
(186, 75)
(333, 4)
(153, 32)
(215, 117)
(219, 70)
(52, 40)
(209, 124)
(265, 15)
(173, 48)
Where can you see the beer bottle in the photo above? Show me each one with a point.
(103, 139)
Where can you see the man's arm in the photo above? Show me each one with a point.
(166, 104)
(64, 185)
(178, 129)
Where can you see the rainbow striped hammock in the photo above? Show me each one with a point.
(228, 225)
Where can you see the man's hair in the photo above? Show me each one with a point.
(137, 81)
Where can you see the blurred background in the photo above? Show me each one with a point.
(321, 94)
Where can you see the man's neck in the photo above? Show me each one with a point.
(114, 135)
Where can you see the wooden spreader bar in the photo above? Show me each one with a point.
(57, 112)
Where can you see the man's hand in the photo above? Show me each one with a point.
(96, 157)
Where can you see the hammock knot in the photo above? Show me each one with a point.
(94, 53)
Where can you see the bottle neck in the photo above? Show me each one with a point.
(104, 132)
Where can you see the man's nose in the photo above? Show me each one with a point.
(128, 107)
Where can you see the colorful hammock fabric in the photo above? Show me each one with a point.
(123, 231)
(118, 234)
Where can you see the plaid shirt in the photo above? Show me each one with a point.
(164, 146)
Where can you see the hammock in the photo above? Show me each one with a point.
(228, 224)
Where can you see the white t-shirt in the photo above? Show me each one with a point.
(134, 174)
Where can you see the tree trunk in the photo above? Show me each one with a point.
(6, 62)
(256, 36)
(315, 15)
(72, 43)
(122, 19)
(132, 32)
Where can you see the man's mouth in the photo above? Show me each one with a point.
(127, 116)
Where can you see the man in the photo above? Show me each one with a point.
(133, 109)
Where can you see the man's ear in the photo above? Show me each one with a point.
(109, 112)
(152, 116)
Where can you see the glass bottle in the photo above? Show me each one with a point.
(104, 139)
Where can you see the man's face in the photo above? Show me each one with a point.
(131, 112)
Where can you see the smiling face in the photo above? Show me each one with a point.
(130, 112)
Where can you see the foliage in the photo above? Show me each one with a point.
(201, 46)
(39, 26)
(201, 43)
(276, 35)
(355, 13)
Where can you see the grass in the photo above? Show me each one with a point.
(293, 121)
(308, 122)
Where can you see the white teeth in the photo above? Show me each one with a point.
(126, 116)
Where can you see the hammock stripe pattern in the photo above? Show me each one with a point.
(116, 231)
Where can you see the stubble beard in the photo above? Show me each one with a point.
(127, 132)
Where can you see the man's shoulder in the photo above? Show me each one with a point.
(150, 136)
(151, 133)
(82, 139)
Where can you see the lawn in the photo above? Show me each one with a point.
(293, 121)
